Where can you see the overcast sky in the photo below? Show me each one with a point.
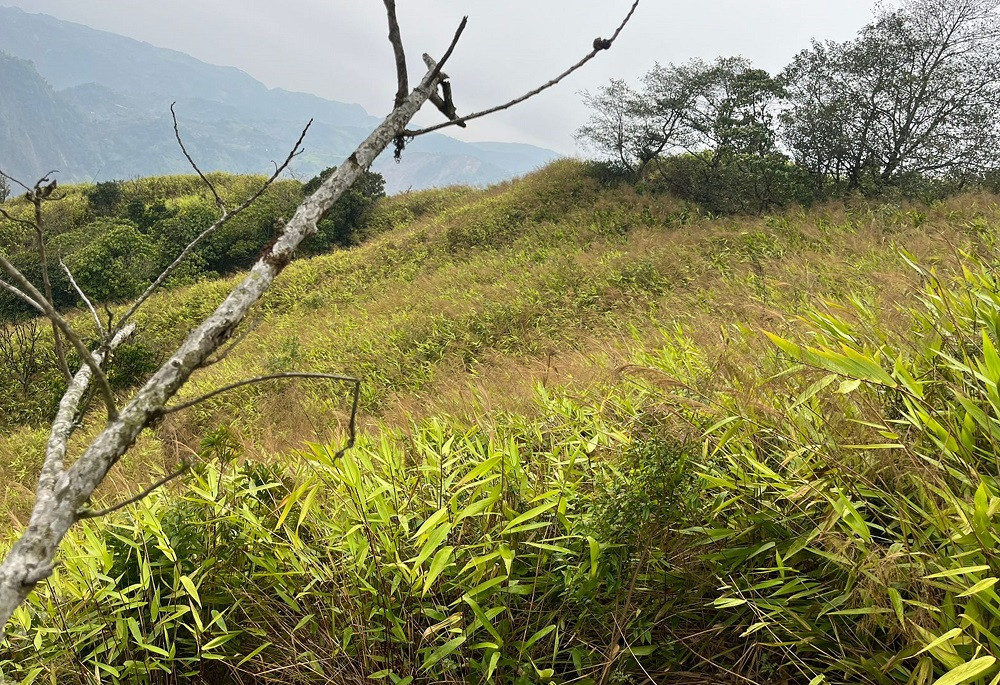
(338, 48)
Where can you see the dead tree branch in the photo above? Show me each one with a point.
(41, 192)
(222, 354)
(60, 325)
(65, 422)
(211, 186)
(22, 296)
(6, 215)
(226, 216)
(600, 44)
(32, 556)
(14, 180)
(397, 49)
(86, 300)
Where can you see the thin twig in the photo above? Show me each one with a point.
(402, 89)
(211, 186)
(600, 44)
(257, 379)
(5, 214)
(86, 300)
(96, 513)
(352, 427)
(11, 178)
(37, 196)
(227, 216)
(451, 48)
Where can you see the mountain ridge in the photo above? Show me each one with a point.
(112, 96)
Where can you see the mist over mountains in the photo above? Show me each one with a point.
(95, 105)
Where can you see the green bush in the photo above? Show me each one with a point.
(117, 266)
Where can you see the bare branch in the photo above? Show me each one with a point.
(352, 426)
(6, 215)
(60, 324)
(600, 44)
(444, 102)
(227, 216)
(45, 178)
(96, 513)
(186, 466)
(64, 423)
(211, 186)
(21, 295)
(232, 344)
(86, 300)
(61, 503)
(37, 196)
(257, 379)
(11, 178)
(434, 78)
(403, 88)
(436, 71)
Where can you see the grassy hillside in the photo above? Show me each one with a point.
(582, 460)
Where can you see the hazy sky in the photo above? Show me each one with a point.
(338, 48)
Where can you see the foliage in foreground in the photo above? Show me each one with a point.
(831, 520)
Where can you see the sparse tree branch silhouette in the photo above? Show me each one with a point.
(22, 296)
(14, 180)
(398, 52)
(60, 326)
(600, 44)
(36, 195)
(180, 142)
(64, 490)
(223, 219)
(13, 219)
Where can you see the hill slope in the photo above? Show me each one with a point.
(123, 88)
(571, 422)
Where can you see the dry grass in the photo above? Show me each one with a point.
(467, 299)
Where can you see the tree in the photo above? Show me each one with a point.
(914, 93)
(63, 489)
(722, 114)
(117, 265)
(105, 197)
(4, 189)
(617, 127)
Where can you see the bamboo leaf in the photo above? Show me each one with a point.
(967, 671)
(529, 515)
(438, 565)
(443, 651)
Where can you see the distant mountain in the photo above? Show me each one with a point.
(95, 105)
